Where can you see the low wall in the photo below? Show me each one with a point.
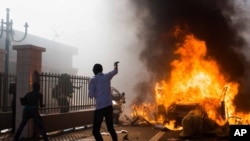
(5, 120)
(55, 122)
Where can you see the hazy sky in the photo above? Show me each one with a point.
(104, 31)
(97, 28)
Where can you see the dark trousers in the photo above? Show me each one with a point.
(64, 104)
(106, 113)
(13, 116)
(34, 114)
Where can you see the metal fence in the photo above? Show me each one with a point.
(64, 93)
(6, 98)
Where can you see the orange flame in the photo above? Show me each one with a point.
(196, 78)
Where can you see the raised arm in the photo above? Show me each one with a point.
(116, 65)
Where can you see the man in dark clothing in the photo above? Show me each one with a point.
(62, 91)
(32, 101)
(99, 88)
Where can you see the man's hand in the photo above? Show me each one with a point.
(116, 63)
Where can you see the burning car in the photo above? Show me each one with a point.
(177, 111)
(118, 99)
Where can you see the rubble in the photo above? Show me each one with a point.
(196, 125)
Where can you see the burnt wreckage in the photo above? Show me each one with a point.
(118, 100)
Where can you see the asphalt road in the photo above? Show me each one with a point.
(124, 132)
(145, 133)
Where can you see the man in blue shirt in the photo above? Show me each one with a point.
(100, 89)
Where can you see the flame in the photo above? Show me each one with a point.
(196, 78)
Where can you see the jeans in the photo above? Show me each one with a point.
(99, 114)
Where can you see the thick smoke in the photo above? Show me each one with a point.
(208, 20)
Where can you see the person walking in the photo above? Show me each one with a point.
(100, 89)
(31, 101)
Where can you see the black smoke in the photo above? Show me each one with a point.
(208, 20)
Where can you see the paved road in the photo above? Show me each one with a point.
(128, 133)
(125, 133)
(134, 133)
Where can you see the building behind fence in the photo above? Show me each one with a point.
(62, 93)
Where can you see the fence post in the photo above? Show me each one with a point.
(2, 55)
(29, 60)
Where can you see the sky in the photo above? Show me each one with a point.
(104, 31)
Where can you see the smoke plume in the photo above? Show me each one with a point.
(208, 20)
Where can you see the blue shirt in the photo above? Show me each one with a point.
(100, 89)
